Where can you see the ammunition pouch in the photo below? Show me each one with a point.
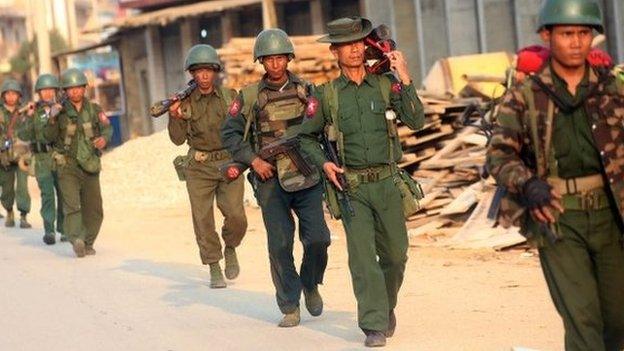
(411, 192)
(180, 163)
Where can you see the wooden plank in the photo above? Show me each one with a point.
(444, 131)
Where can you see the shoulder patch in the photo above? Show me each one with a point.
(312, 106)
(396, 88)
(235, 108)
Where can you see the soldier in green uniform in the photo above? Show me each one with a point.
(559, 152)
(263, 115)
(360, 108)
(10, 151)
(32, 130)
(197, 121)
(79, 133)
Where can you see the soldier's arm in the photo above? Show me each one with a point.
(311, 128)
(104, 125)
(178, 128)
(407, 105)
(233, 130)
(26, 129)
(503, 155)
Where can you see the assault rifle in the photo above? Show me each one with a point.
(287, 146)
(332, 156)
(159, 108)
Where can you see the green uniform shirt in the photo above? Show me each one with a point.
(32, 129)
(362, 121)
(56, 128)
(574, 146)
(205, 113)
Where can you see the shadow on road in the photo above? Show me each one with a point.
(190, 286)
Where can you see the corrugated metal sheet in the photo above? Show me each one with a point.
(171, 14)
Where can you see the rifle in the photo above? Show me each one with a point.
(378, 44)
(159, 108)
(330, 154)
(287, 146)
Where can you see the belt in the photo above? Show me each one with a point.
(38, 148)
(596, 199)
(577, 185)
(370, 174)
(209, 156)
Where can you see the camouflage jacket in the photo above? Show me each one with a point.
(521, 146)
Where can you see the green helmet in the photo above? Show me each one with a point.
(11, 84)
(46, 81)
(571, 12)
(202, 55)
(73, 77)
(273, 42)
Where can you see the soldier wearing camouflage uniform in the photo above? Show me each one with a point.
(197, 121)
(360, 109)
(263, 114)
(79, 133)
(559, 152)
(32, 131)
(10, 151)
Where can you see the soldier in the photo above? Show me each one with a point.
(265, 114)
(197, 120)
(32, 130)
(79, 133)
(558, 150)
(365, 106)
(10, 150)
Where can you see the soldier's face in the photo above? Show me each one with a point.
(75, 94)
(47, 94)
(204, 77)
(569, 45)
(11, 98)
(349, 54)
(275, 66)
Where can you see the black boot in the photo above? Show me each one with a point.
(49, 238)
(374, 338)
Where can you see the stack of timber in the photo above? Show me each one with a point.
(313, 61)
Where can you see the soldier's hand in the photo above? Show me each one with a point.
(262, 168)
(31, 109)
(398, 64)
(331, 171)
(99, 143)
(174, 110)
(544, 214)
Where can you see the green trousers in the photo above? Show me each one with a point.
(51, 203)
(585, 276)
(13, 191)
(205, 183)
(82, 203)
(377, 244)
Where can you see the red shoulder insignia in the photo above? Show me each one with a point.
(235, 108)
(397, 88)
(312, 106)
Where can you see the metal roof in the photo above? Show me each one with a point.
(165, 16)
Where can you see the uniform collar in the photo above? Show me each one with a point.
(292, 79)
(370, 79)
(197, 95)
(549, 76)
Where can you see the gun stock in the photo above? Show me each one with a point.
(161, 107)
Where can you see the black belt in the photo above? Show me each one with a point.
(39, 148)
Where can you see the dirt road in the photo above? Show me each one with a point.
(145, 290)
